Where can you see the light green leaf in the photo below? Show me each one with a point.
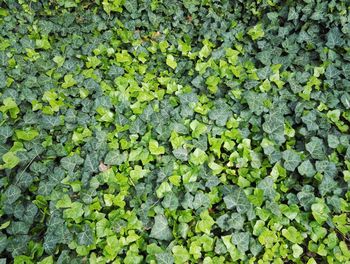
(74, 212)
(297, 250)
(10, 105)
(69, 81)
(138, 173)
(206, 222)
(181, 254)
(320, 212)
(198, 157)
(10, 159)
(171, 62)
(256, 32)
(27, 134)
(292, 234)
(154, 147)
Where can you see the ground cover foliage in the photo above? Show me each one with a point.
(160, 131)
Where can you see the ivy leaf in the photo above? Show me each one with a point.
(154, 147)
(91, 163)
(164, 258)
(334, 38)
(181, 154)
(316, 148)
(5, 133)
(181, 254)
(320, 212)
(3, 243)
(198, 157)
(345, 99)
(241, 240)
(10, 160)
(114, 157)
(220, 115)
(12, 194)
(86, 236)
(267, 186)
(332, 72)
(306, 168)
(170, 201)
(256, 32)
(291, 159)
(273, 123)
(10, 106)
(69, 81)
(74, 212)
(161, 229)
(236, 221)
(171, 62)
(200, 199)
(237, 199)
(69, 163)
(206, 223)
(292, 234)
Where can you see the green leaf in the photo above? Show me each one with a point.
(181, 154)
(10, 105)
(161, 229)
(154, 147)
(241, 240)
(297, 251)
(198, 157)
(10, 160)
(171, 62)
(27, 134)
(212, 82)
(292, 234)
(206, 223)
(320, 212)
(164, 258)
(267, 185)
(197, 128)
(237, 200)
(181, 254)
(47, 260)
(138, 173)
(59, 60)
(291, 160)
(70, 163)
(74, 212)
(316, 148)
(12, 194)
(306, 168)
(164, 188)
(267, 238)
(86, 236)
(114, 157)
(256, 32)
(334, 38)
(205, 50)
(69, 81)
(220, 115)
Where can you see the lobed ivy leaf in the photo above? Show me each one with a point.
(237, 199)
(161, 229)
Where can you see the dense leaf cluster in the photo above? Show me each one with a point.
(154, 131)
